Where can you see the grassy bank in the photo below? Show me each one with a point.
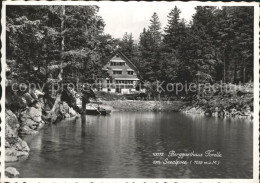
(133, 105)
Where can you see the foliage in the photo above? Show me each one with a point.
(217, 45)
(70, 36)
(149, 47)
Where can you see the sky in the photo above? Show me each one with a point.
(132, 17)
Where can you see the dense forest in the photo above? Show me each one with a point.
(43, 41)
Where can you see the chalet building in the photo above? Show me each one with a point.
(122, 75)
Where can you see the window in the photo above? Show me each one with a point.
(130, 72)
(117, 63)
(127, 82)
(117, 72)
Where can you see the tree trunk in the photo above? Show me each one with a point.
(235, 72)
(244, 71)
(62, 36)
(56, 103)
(224, 69)
(62, 27)
(159, 96)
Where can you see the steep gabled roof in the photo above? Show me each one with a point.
(128, 60)
(123, 57)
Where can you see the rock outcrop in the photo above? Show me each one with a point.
(25, 114)
(65, 110)
(31, 119)
(61, 110)
(27, 120)
(227, 103)
(14, 145)
(11, 172)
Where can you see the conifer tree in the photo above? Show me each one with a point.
(203, 59)
(155, 29)
(126, 45)
(174, 30)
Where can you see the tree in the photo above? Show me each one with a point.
(26, 42)
(145, 55)
(155, 30)
(242, 23)
(218, 43)
(126, 45)
(235, 43)
(82, 41)
(199, 52)
(174, 35)
(174, 31)
(43, 36)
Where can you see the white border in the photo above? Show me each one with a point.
(132, 180)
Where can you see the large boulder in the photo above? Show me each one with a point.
(11, 172)
(14, 145)
(65, 110)
(12, 124)
(31, 119)
(72, 112)
(51, 116)
(26, 130)
(29, 99)
(14, 150)
(35, 114)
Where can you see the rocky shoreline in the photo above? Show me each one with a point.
(225, 104)
(27, 119)
(14, 145)
(218, 112)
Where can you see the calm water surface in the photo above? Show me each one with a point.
(122, 145)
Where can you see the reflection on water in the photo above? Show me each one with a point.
(121, 145)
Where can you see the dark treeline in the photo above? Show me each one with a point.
(42, 41)
(216, 45)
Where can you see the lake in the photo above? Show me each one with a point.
(124, 145)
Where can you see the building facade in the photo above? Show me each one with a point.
(122, 75)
